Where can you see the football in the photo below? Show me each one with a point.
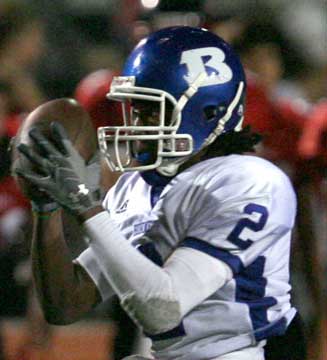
(72, 117)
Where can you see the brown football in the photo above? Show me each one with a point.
(73, 118)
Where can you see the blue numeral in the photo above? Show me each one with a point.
(234, 236)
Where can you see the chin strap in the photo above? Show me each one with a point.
(170, 167)
(189, 92)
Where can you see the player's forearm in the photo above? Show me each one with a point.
(137, 281)
(53, 270)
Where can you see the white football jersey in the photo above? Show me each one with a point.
(237, 208)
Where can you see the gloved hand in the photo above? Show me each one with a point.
(67, 178)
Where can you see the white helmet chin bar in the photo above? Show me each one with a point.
(173, 149)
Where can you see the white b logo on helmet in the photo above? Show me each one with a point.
(197, 62)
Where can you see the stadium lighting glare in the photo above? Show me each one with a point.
(150, 4)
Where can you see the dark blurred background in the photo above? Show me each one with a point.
(71, 48)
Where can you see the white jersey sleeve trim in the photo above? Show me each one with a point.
(156, 298)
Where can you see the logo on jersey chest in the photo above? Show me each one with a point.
(209, 60)
(142, 228)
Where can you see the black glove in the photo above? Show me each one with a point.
(67, 178)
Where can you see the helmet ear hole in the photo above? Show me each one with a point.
(212, 112)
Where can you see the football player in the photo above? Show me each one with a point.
(194, 237)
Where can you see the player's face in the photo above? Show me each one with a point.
(146, 113)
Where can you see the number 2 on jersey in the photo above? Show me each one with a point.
(243, 223)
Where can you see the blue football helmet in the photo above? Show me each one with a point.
(196, 74)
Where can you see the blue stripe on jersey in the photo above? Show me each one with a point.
(149, 251)
(155, 194)
(272, 329)
(233, 261)
(176, 332)
(250, 289)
